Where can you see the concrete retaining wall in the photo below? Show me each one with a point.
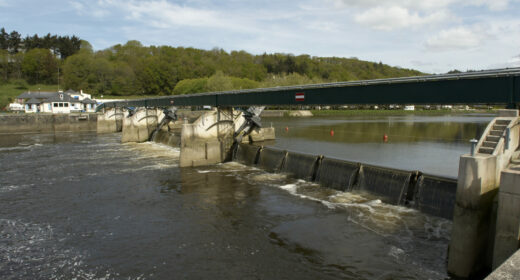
(44, 123)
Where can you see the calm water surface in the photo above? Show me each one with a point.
(87, 207)
(431, 144)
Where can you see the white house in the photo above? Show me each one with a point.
(57, 102)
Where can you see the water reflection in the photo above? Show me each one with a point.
(427, 144)
(371, 130)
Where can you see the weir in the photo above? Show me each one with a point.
(429, 194)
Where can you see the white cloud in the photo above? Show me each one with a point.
(459, 38)
(397, 17)
(494, 5)
(515, 61)
(97, 10)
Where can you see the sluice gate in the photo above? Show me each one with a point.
(430, 194)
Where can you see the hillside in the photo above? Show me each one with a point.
(136, 70)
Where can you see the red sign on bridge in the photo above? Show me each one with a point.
(300, 96)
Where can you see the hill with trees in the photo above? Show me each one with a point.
(134, 69)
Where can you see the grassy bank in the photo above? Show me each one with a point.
(323, 113)
(8, 92)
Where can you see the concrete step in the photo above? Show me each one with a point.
(496, 132)
(492, 138)
(503, 122)
(515, 159)
(490, 144)
(499, 127)
(486, 150)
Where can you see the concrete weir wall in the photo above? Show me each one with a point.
(139, 126)
(477, 225)
(111, 120)
(430, 194)
(47, 123)
(209, 139)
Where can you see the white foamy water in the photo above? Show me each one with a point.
(9, 188)
(20, 147)
(35, 251)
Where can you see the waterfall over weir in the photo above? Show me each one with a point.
(429, 194)
(390, 184)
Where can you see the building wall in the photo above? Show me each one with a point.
(63, 109)
(31, 108)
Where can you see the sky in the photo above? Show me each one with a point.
(433, 36)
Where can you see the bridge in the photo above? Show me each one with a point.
(484, 203)
(501, 87)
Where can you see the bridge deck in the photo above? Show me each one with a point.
(501, 86)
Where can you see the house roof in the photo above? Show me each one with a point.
(70, 91)
(61, 97)
(88, 101)
(33, 101)
(38, 95)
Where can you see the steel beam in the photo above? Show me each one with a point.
(500, 86)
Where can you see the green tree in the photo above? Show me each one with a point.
(4, 65)
(76, 71)
(40, 66)
(189, 86)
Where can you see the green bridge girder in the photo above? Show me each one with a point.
(501, 87)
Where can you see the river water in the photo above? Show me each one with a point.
(85, 206)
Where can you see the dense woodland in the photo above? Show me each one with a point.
(133, 69)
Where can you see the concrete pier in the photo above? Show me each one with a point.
(139, 126)
(507, 237)
(209, 139)
(111, 120)
(473, 233)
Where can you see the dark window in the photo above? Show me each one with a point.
(60, 104)
(55, 104)
(66, 104)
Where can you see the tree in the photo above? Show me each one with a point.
(4, 39)
(40, 66)
(4, 65)
(76, 71)
(14, 42)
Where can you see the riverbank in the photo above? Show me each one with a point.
(320, 113)
(47, 123)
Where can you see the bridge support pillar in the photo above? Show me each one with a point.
(507, 237)
(475, 212)
(139, 126)
(110, 120)
(210, 138)
(469, 251)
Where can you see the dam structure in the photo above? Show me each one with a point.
(483, 202)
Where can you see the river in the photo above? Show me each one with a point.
(85, 206)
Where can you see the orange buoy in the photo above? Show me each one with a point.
(286, 128)
(385, 138)
(331, 132)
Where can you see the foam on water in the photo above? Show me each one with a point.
(9, 188)
(366, 210)
(34, 251)
(20, 147)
